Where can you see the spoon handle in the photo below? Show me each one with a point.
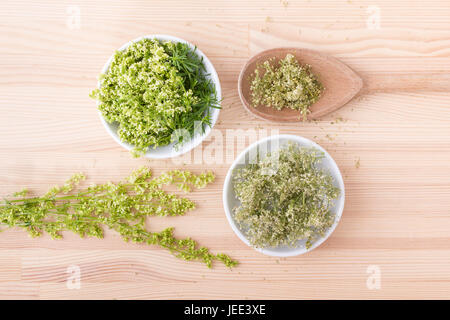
(406, 82)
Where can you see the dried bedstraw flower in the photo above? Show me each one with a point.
(285, 85)
(292, 203)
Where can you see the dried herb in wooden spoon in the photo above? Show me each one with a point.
(285, 84)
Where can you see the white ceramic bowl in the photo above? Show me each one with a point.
(230, 201)
(169, 151)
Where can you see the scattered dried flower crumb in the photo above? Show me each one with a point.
(358, 163)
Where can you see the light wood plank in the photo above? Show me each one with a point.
(397, 202)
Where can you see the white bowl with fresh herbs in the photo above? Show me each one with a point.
(170, 149)
(253, 185)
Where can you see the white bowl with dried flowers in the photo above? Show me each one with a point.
(325, 169)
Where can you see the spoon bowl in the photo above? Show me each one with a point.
(341, 84)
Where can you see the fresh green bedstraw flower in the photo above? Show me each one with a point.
(153, 88)
(122, 206)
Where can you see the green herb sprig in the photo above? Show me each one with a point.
(152, 89)
(122, 206)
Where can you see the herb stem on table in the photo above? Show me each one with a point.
(122, 207)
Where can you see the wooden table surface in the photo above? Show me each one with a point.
(393, 240)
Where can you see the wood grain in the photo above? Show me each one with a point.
(397, 213)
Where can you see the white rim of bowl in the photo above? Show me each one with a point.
(296, 251)
(195, 141)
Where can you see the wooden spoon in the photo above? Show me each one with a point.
(341, 84)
